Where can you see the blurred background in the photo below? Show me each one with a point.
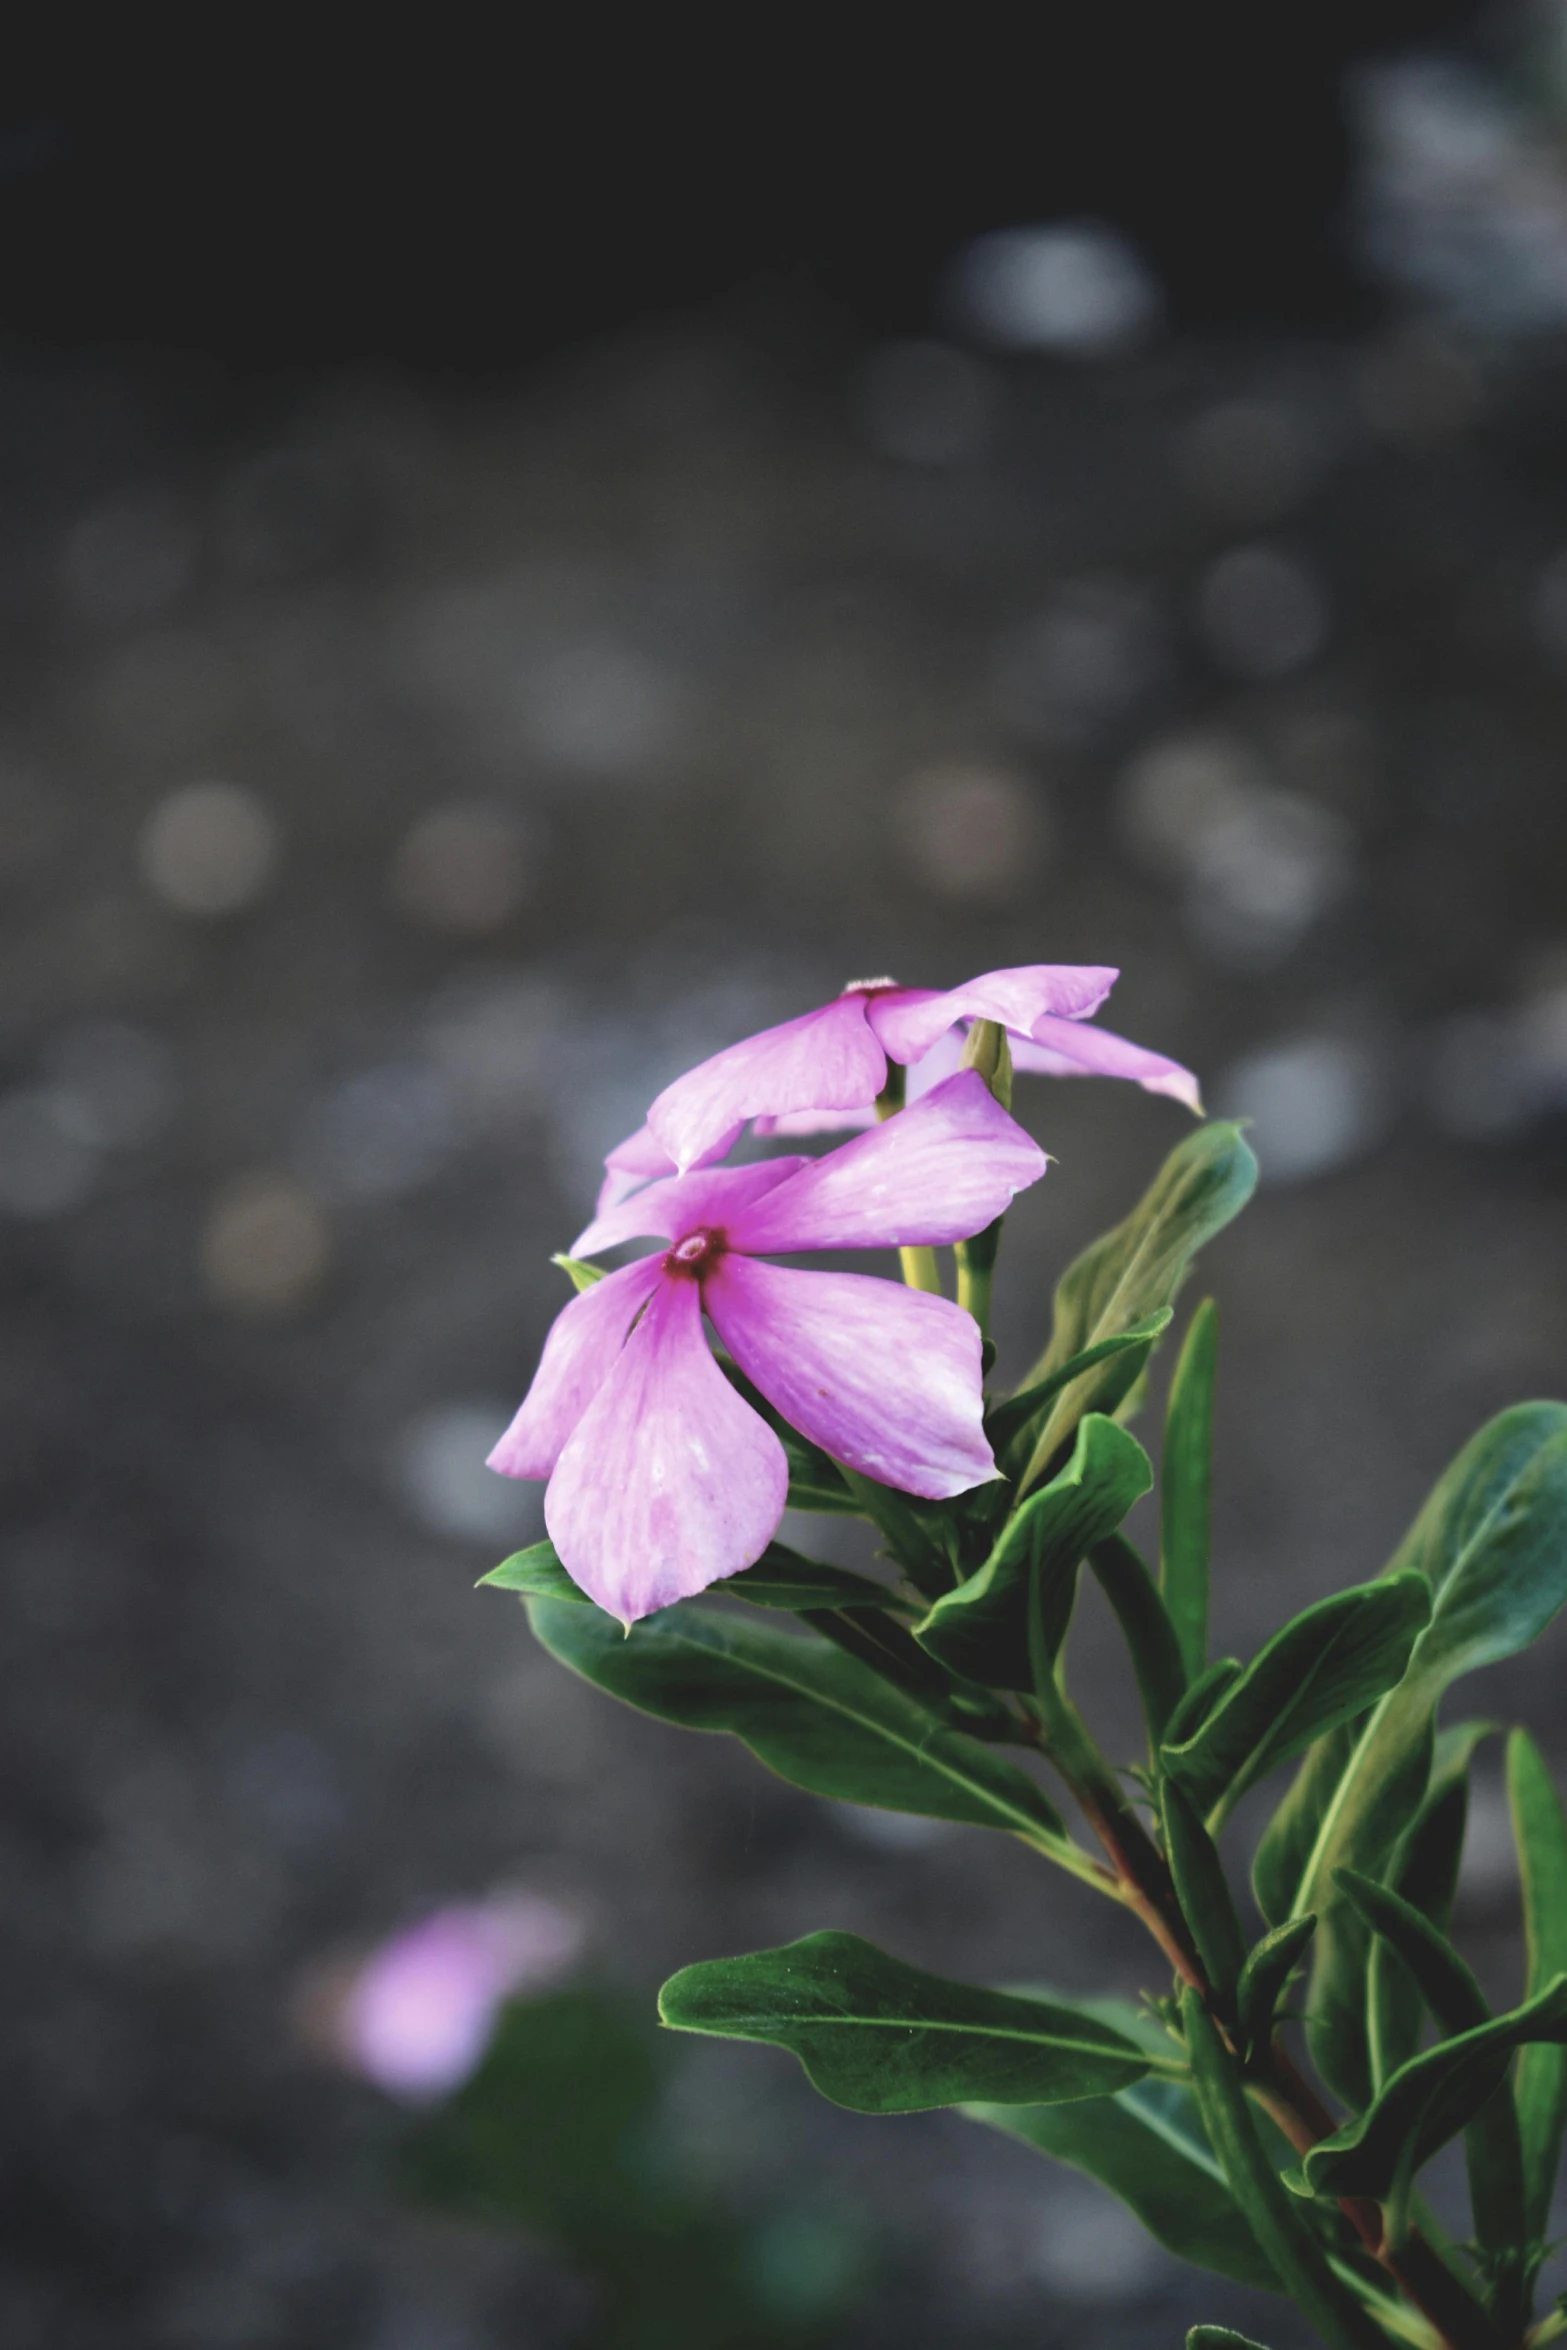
(521, 564)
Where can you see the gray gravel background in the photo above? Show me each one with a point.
(577, 725)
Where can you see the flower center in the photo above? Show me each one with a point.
(883, 986)
(696, 1252)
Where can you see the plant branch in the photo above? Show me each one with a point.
(1148, 1890)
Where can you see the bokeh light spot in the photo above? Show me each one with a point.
(266, 1246)
(209, 849)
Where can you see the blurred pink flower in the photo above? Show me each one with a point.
(661, 1479)
(417, 2015)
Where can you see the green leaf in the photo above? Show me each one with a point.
(816, 1716)
(1264, 1977)
(1322, 1669)
(1492, 1542)
(579, 1272)
(815, 1480)
(1133, 1271)
(1146, 2145)
(982, 1629)
(538, 1574)
(1424, 1871)
(1540, 1829)
(1012, 1425)
(1202, 1891)
(1200, 1699)
(925, 1537)
(781, 1578)
(1185, 1489)
(1428, 2101)
(1146, 1629)
(1458, 2005)
(882, 2037)
(1219, 2338)
(1290, 1836)
(1276, 2220)
(1446, 1980)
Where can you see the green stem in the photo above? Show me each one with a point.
(1143, 1879)
(920, 1270)
(1277, 2219)
(1442, 2298)
(976, 1272)
(988, 1051)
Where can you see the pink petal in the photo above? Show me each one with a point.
(909, 1020)
(941, 1061)
(1062, 1048)
(670, 1480)
(886, 1379)
(935, 1173)
(419, 2014)
(641, 1157)
(683, 1203)
(795, 1122)
(824, 1060)
(579, 1353)
(629, 1165)
(944, 1059)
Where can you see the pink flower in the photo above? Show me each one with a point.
(661, 1480)
(822, 1072)
(418, 2014)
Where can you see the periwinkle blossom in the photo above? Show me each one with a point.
(661, 1478)
(822, 1072)
(418, 2014)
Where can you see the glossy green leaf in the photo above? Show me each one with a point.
(1424, 1872)
(1326, 1667)
(816, 1716)
(1492, 1542)
(982, 1628)
(1146, 2145)
(1289, 1838)
(1013, 1424)
(1429, 2100)
(1146, 1629)
(1134, 1270)
(1275, 2218)
(1200, 1886)
(1186, 1487)
(1495, 2156)
(883, 1643)
(1540, 1829)
(925, 1537)
(1445, 1978)
(1265, 1977)
(537, 1574)
(883, 2037)
(1200, 1698)
(579, 1272)
(781, 1578)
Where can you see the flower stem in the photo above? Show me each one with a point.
(976, 1270)
(1441, 2296)
(920, 1270)
(988, 1051)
